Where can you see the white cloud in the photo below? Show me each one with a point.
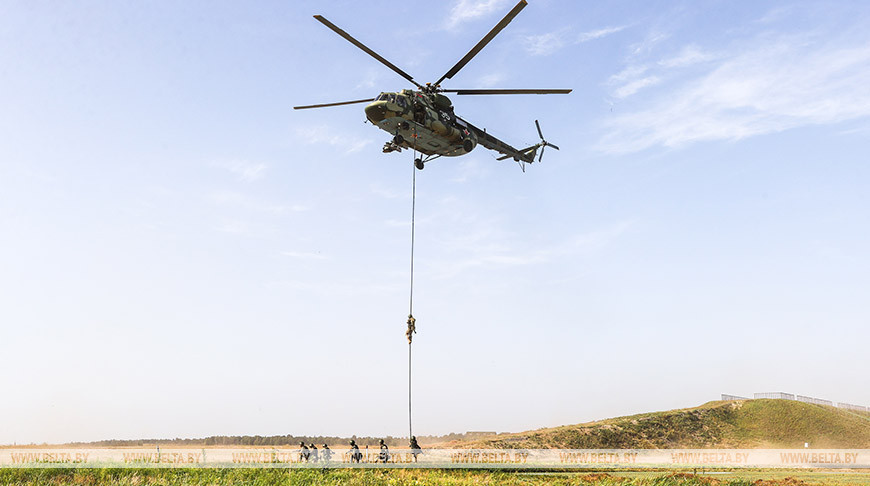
(395, 223)
(597, 34)
(545, 44)
(472, 169)
(345, 288)
(766, 85)
(247, 171)
(690, 55)
(369, 80)
(234, 227)
(859, 130)
(303, 255)
(492, 249)
(634, 86)
(629, 81)
(466, 10)
(322, 134)
(490, 80)
(628, 73)
(647, 45)
(379, 190)
(236, 199)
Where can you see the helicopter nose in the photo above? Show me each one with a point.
(376, 111)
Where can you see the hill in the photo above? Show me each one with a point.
(719, 424)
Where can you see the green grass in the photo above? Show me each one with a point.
(279, 477)
(790, 424)
(720, 424)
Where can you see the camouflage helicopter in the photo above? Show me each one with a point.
(423, 119)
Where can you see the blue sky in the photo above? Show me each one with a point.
(184, 255)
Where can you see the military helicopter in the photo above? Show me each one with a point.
(423, 119)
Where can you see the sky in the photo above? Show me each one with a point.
(184, 255)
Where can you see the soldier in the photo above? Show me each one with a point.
(303, 452)
(327, 454)
(412, 328)
(315, 456)
(384, 455)
(419, 112)
(415, 448)
(355, 454)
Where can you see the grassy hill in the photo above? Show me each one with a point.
(719, 424)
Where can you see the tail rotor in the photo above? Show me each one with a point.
(527, 155)
(543, 143)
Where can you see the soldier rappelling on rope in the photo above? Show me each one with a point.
(412, 328)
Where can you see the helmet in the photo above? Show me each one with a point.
(302, 444)
(381, 441)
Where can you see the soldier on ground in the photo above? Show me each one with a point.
(315, 456)
(415, 448)
(384, 455)
(303, 452)
(327, 454)
(355, 454)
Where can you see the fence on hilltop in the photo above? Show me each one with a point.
(798, 398)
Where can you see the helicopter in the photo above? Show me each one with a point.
(423, 119)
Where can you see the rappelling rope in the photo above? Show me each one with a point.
(411, 321)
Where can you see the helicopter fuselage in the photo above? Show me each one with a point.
(421, 121)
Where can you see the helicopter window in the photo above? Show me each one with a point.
(392, 98)
(383, 97)
(401, 101)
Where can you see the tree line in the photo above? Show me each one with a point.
(272, 441)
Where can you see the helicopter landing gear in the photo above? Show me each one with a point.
(419, 162)
(398, 139)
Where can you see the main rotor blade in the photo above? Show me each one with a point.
(366, 49)
(483, 42)
(505, 91)
(332, 104)
(540, 134)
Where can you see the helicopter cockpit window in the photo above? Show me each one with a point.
(401, 101)
(384, 97)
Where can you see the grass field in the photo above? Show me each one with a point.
(196, 476)
(741, 424)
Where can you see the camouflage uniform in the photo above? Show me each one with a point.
(412, 328)
(355, 454)
(415, 448)
(384, 455)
